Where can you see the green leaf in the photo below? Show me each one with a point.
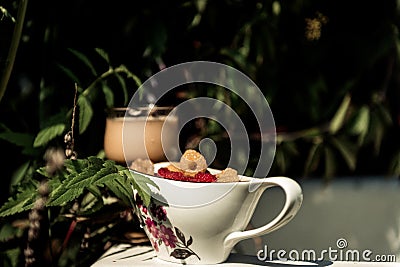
(108, 94)
(94, 190)
(122, 189)
(130, 75)
(124, 89)
(141, 184)
(82, 57)
(48, 134)
(22, 201)
(348, 151)
(62, 195)
(85, 113)
(74, 167)
(19, 139)
(81, 167)
(90, 204)
(69, 73)
(338, 120)
(81, 180)
(20, 173)
(77, 179)
(92, 175)
(360, 123)
(313, 158)
(23, 140)
(103, 54)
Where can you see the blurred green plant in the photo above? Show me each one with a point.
(85, 196)
(336, 111)
(15, 40)
(55, 126)
(304, 56)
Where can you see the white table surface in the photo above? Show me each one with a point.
(128, 255)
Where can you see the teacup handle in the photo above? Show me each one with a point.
(294, 198)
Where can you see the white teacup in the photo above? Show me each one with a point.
(199, 223)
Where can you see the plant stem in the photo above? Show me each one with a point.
(109, 72)
(13, 47)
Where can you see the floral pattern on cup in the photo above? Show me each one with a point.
(161, 232)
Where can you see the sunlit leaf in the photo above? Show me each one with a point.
(121, 189)
(200, 6)
(141, 184)
(23, 201)
(90, 203)
(360, 123)
(338, 120)
(96, 172)
(62, 195)
(4, 13)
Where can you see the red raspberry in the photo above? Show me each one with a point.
(165, 173)
(178, 176)
(204, 177)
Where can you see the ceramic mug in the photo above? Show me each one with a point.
(199, 223)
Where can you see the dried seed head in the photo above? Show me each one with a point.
(68, 152)
(74, 155)
(34, 215)
(68, 137)
(55, 160)
(28, 252)
(43, 189)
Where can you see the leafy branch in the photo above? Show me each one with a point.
(88, 197)
(80, 177)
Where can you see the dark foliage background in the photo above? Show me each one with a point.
(304, 72)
